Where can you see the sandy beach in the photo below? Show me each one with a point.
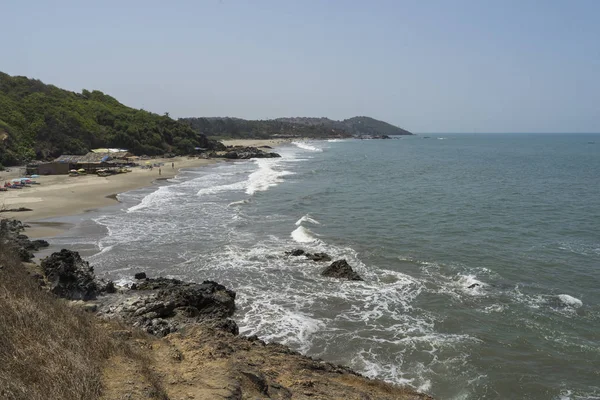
(62, 195)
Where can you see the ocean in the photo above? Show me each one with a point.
(480, 254)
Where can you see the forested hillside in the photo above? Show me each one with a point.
(292, 127)
(260, 129)
(356, 125)
(39, 121)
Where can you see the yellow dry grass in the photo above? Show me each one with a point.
(49, 350)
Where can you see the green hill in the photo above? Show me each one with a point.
(39, 121)
(371, 126)
(357, 126)
(260, 129)
(292, 127)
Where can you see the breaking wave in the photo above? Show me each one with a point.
(303, 235)
(307, 218)
(307, 146)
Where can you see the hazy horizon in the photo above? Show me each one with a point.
(428, 67)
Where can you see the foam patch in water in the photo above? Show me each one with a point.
(265, 177)
(570, 301)
(307, 146)
(303, 235)
(307, 218)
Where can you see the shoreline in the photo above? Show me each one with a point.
(63, 196)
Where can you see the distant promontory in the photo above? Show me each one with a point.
(290, 127)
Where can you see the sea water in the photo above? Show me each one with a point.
(480, 256)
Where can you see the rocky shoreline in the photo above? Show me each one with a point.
(192, 323)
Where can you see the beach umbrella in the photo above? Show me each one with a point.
(81, 170)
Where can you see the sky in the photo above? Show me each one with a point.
(426, 66)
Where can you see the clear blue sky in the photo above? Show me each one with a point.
(427, 66)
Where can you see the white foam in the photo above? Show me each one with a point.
(570, 300)
(306, 146)
(159, 196)
(265, 177)
(336, 140)
(307, 218)
(124, 282)
(222, 188)
(303, 235)
(238, 203)
(494, 308)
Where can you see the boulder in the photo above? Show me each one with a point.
(341, 269)
(140, 275)
(208, 298)
(69, 276)
(110, 287)
(318, 256)
(156, 283)
(295, 252)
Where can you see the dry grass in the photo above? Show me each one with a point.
(49, 350)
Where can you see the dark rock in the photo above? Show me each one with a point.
(32, 245)
(161, 306)
(226, 325)
(156, 283)
(244, 153)
(295, 252)
(341, 269)
(209, 298)
(110, 287)
(140, 275)
(473, 286)
(40, 243)
(69, 276)
(24, 254)
(318, 256)
(258, 381)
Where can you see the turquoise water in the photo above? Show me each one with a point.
(422, 220)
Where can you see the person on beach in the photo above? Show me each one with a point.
(173, 165)
(159, 171)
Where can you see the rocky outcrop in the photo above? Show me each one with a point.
(311, 256)
(69, 276)
(295, 252)
(341, 269)
(161, 306)
(11, 234)
(205, 363)
(140, 275)
(318, 257)
(244, 153)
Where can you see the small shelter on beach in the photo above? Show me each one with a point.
(50, 168)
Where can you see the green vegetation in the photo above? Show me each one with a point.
(39, 121)
(292, 127)
(356, 126)
(259, 129)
